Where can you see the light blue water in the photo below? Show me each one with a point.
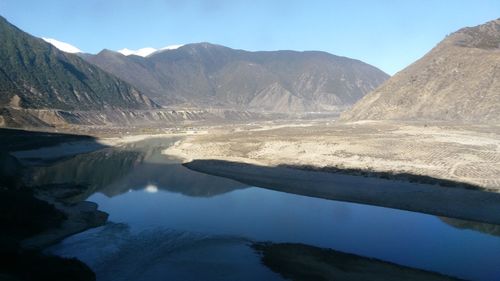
(165, 226)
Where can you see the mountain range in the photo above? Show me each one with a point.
(208, 75)
(458, 80)
(41, 85)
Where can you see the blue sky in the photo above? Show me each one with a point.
(387, 34)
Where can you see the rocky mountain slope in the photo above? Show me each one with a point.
(208, 75)
(36, 75)
(458, 80)
(151, 118)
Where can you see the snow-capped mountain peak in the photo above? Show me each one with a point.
(144, 52)
(63, 46)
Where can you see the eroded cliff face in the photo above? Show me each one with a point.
(458, 80)
(10, 117)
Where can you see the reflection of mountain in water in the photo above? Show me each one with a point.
(174, 178)
(491, 229)
(113, 171)
(93, 170)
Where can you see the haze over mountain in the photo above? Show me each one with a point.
(209, 75)
(458, 80)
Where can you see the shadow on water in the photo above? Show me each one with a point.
(16, 139)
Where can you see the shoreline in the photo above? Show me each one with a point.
(40, 216)
(80, 217)
(296, 261)
(453, 155)
(460, 203)
(354, 185)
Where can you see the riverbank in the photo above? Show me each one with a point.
(466, 204)
(80, 216)
(441, 169)
(460, 153)
(30, 224)
(19, 150)
(35, 217)
(301, 262)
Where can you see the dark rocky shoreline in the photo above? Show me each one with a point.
(300, 262)
(35, 217)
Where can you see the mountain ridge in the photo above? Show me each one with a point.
(458, 80)
(35, 74)
(205, 74)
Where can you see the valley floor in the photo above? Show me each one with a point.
(467, 154)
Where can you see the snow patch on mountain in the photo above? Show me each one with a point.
(144, 52)
(63, 46)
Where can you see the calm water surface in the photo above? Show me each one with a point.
(168, 222)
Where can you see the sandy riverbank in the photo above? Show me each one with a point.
(457, 153)
(392, 159)
(117, 141)
(451, 202)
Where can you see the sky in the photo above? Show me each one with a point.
(389, 34)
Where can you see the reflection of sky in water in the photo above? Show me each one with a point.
(407, 238)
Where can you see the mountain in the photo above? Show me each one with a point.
(208, 75)
(458, 80)
(36, 75)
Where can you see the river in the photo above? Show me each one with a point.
(168, 222)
